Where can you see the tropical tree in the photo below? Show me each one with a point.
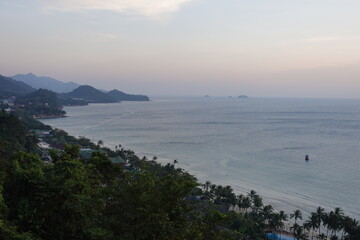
(312, 223)
(244, 202)
(268, 215)
(296, 215)
(283, 216)
(275, 222)
(298, 232)
(349, 225)
(335, 220)
(257, 203)
(320, 214)
(100, 143)
(252, 194)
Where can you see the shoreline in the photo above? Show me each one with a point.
(50, 117)
(243, 190)
(274, 198)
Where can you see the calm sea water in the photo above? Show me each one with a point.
(249, 144)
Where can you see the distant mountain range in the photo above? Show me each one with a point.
(93, 95)
(121, 96)
(69, 93)
(89, 94)
(46, 83)
(9, 86)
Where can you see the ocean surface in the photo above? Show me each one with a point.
(255, 143)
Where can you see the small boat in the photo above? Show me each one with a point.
(307, 158)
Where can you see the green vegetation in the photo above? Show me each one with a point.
(10, 87)
(41, 103)
(14, 136)
(121, 96)
(68, 101)
(89, 94)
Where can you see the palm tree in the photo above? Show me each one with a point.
(207, 186)
(320, 212)
(252, 194)
(339, 219)
(335, 220)
(312, 223)
(208, 190)
(245, 203)
(299, 232)
(296, 215)
(283, 216)
(257, 203)
(266, 213)
(349, 225)
(326, 223)
(100, 143)
(275, 222)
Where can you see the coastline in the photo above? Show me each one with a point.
(285, 230)
(50, 116)
(139, 143)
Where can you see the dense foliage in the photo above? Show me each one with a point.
(14, 136)
(89, 94)
(40, 103)
(121, 96)
(10, 87)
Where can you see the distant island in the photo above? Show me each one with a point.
(243, 96)
(68, 94)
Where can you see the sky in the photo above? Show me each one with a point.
(264, 48)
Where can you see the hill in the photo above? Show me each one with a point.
(41, 103)
(9, 86)
(89, 94)
(46, 83)
(121, 96)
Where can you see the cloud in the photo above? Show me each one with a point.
(149, 8)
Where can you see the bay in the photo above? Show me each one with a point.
(255, 143)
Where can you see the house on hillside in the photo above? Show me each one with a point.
(86, 153)
(117, 160)
(41, 133)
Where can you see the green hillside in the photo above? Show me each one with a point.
(9, 86)
(121, 96)
(89, 94)
(40, 103)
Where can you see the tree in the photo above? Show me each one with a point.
(335, 220)
(312, 223)
(350, 225)
(267, 214)
(100, 143)
(320, 214)
(299, 232)
(296, 215)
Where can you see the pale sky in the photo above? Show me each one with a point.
(269, 48)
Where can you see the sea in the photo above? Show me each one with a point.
(248, 143)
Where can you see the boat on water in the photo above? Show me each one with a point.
(307, 158)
